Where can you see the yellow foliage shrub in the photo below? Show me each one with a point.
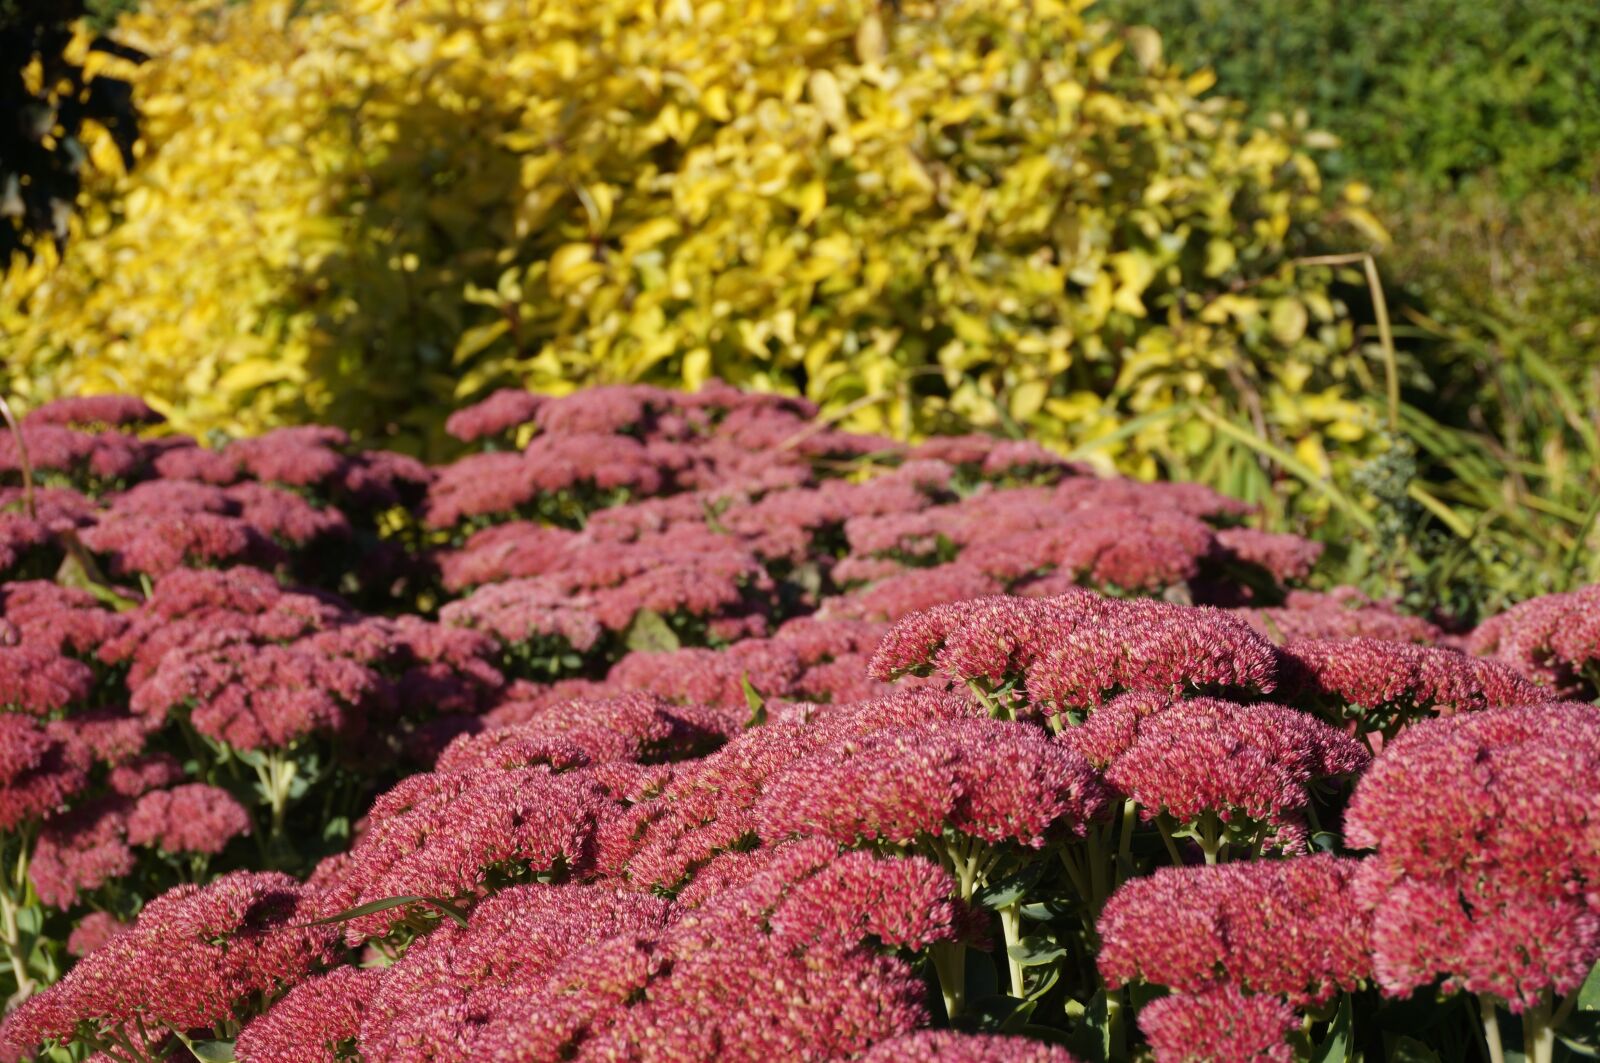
(960, 212)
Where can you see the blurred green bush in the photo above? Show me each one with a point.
(1432, 90)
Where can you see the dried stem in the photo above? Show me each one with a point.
(28, 506)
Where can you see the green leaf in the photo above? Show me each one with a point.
(998, 1013)
(1091, 1037)
(1018, 1019)
(1403, 1049)
(650, 633)
(1335, 1048)
(753, 699)
(1036, 950)
(1010, 889)
(386, 904)
(212, 1051)
(983, 979)
(1589, 992)
(1044, 981)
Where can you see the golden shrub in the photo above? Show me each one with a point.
(987, 212)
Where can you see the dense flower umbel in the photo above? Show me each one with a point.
(499, 413)
(1343, 613)
(197, 956)
(710, 677)
(738, 774)
(92, 931)
(542, 972)
(1554, 640)
(519, 935)
(1071, 652)
(253, 696)
(1290, 928)
(1149, 645)
(984, 779)
(38, 771)
(65, 618)
(88, 411)
(1286, 558)
(313, 1022)
(193, 818)
(948, 1046)
(992, 639)
(1488, 852)
(1221, 1024)
(40, 680)
(1381, 685)
(638, 727)
(526, 611)
(444, 834)
(82, 851)
(1186, 758)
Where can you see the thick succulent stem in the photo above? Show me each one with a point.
(277, 774)
(1116, 1026)
(950, 965)
(1011, 928)
(1539, 1031)
(1491, 1030)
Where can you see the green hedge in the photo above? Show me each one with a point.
(1434, 90)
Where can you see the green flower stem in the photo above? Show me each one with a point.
(1491, 1030)
(13, 898)
(1164, 825)
(1116, 1026)
(1011, 927)
(1209, 834)
(1099, 856)
(950, 965)
(1075, 871)
(277, 774)
(1539, 1025)
(990, 703)
(1125, 844)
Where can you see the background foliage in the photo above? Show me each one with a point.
(1477, 125)
(48, 91)
(958, 213)
(1433, 90)
(1033, 219)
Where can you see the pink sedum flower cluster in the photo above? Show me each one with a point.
(194, 955)
(1292, 929)
(1186, 758)
(1219, 1024)
(1485, 868)
(688, 727)
(1553, 640)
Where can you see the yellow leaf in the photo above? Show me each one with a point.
(1027, 399)
(254, 372)
(477, 338)
(813, 197)
(1145, 43)
(870, 43)
(1288, 320)
(571, 264)
(696, 368)
(648, 234)
(828, 99)
(1220, 256)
